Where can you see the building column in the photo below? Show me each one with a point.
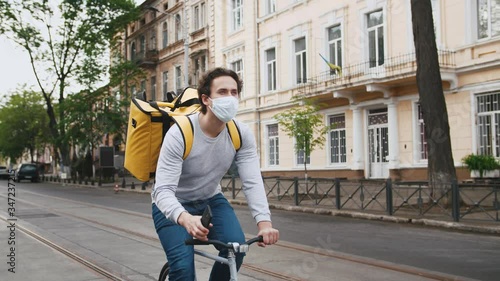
(357, 137)
(392, 116)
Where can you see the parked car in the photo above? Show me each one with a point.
(4, 172)
(27, 172)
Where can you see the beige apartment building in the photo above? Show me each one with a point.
(170, 37)
(277, 47)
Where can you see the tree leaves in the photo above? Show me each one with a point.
(23, 125)
(304, 124)
(65, 42)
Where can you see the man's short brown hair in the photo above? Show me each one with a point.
(206, 82)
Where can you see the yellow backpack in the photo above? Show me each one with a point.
(149, 122)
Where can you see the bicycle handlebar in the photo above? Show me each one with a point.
(220, 243)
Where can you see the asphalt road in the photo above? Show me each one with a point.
(466, 254)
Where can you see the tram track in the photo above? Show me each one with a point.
(74, 256)
(128, 233)
(279, 275)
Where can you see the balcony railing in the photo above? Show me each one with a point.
(351, 75)
(148, 58)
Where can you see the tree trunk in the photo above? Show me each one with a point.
(63, 145)
(441, 169)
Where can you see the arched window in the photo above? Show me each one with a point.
(165, 35)
(178, 27)
(132, 51)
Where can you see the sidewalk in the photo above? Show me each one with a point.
(484, 227)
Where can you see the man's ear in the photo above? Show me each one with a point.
(205, 100)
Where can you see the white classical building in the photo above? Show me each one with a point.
(277, 48)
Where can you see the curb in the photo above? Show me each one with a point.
(105, 186)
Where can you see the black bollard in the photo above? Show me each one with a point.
(132, 186)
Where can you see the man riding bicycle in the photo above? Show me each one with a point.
(183, 188)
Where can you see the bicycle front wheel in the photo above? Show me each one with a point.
(164, 272)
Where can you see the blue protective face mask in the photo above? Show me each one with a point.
(224, 108)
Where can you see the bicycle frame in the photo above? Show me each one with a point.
(232, 248)
(230, 261)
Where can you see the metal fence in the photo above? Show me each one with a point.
(452, 201)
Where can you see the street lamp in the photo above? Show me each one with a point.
(186, 43)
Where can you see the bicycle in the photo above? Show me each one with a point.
(233, 248)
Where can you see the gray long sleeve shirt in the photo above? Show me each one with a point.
(198, 176)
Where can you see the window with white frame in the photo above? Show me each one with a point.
(178, 28)
(203, 14)
(199, 16)
(270, 6)
(237, 14)
(335, 46)
(165, 84)
(488, 18)
(271, 69)
(488, 124)
(300, 60)
(301, 155)
(273, 145)
(164, 34)
(337, 139)
(196, 17)
(178, 78)
(422, 140)
(153, 88)
(237, 66)
(375, 28)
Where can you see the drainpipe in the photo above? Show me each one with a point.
(257, 78)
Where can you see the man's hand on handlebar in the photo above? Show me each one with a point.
(270, 235)
(193, 226)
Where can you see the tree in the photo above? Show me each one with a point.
(123, 74)
(23, 125)
(68, 43)
(91, 115)
(441, 169)
(305, 125)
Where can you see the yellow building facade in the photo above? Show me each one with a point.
(280, 47)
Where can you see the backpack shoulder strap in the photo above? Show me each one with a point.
(234, 133)
(187, 131)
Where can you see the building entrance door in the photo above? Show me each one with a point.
(378, 142)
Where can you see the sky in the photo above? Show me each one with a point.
(15, 69)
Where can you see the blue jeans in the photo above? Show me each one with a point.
(226, 228)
